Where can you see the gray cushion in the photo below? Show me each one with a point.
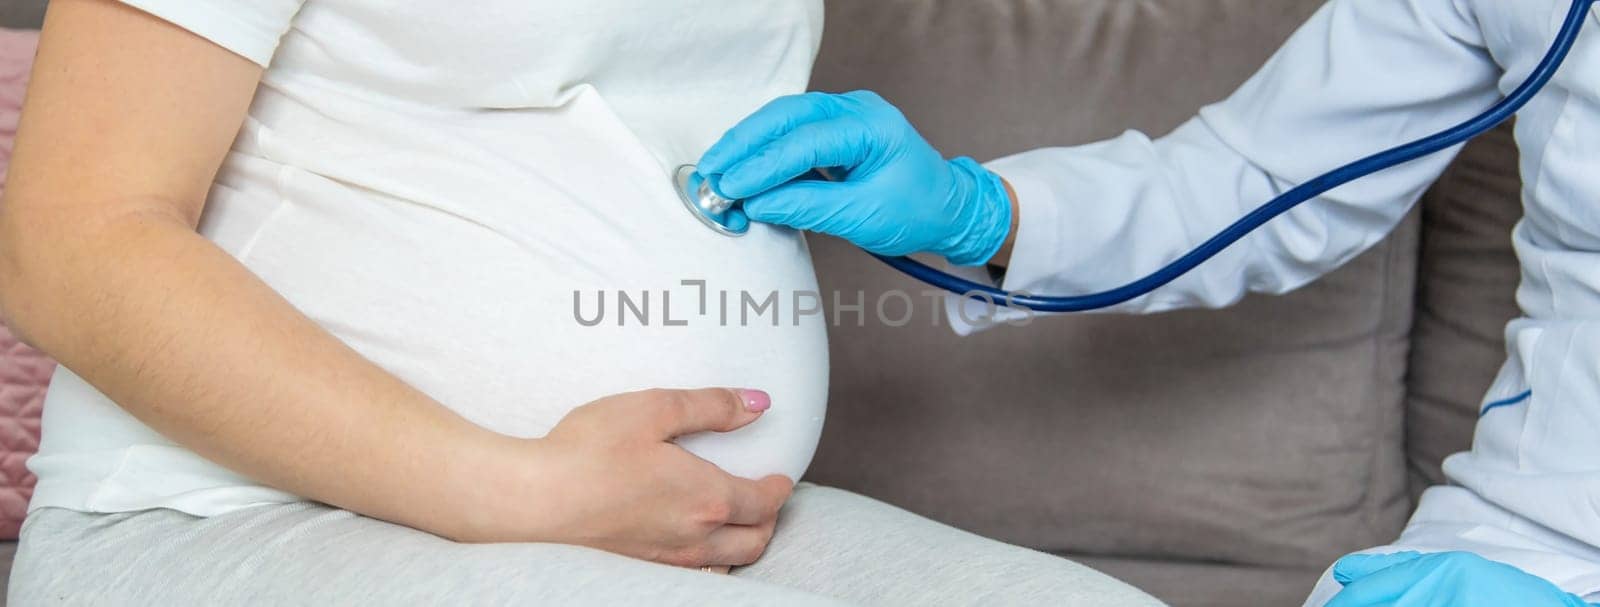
(1266, 434)
(1466, 293)
(8, 554)
(22, 14)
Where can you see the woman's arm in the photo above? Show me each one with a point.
(126, 123)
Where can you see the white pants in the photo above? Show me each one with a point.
(831, 548)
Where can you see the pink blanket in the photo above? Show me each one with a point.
(24, 372)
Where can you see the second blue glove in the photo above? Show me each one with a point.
(1441, 579)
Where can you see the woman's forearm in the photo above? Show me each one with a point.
(192, 343)
(126, 121)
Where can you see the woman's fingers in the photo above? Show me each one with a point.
(737, 544)
(770, 122)
(674, 413)
(656, 500)
(732, 529)
(757, 502)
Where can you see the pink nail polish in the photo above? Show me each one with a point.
(756, 400)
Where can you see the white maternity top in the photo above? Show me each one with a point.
(476, 197)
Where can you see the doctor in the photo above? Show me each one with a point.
(1520, 525)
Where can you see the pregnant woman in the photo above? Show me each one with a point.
(323, 278)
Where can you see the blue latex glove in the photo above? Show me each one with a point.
(892, 194)
(1441, 579)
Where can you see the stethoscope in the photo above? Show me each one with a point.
(725, 217)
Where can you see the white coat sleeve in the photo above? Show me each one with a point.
(1359, 77)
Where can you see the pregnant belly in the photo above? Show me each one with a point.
(514, 317)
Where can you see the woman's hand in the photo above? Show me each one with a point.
(609, 476)
(894, 194)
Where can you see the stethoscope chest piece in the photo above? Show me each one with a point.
(720, 214)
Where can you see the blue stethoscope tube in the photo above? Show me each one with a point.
(1501, 112)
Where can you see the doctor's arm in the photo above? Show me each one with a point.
(1360, 76)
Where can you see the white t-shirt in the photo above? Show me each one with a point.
(454, 189)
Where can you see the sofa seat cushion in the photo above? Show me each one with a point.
(1189, 584)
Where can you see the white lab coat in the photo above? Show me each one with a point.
(1363, 75)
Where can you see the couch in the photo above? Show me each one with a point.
(1215, 458)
